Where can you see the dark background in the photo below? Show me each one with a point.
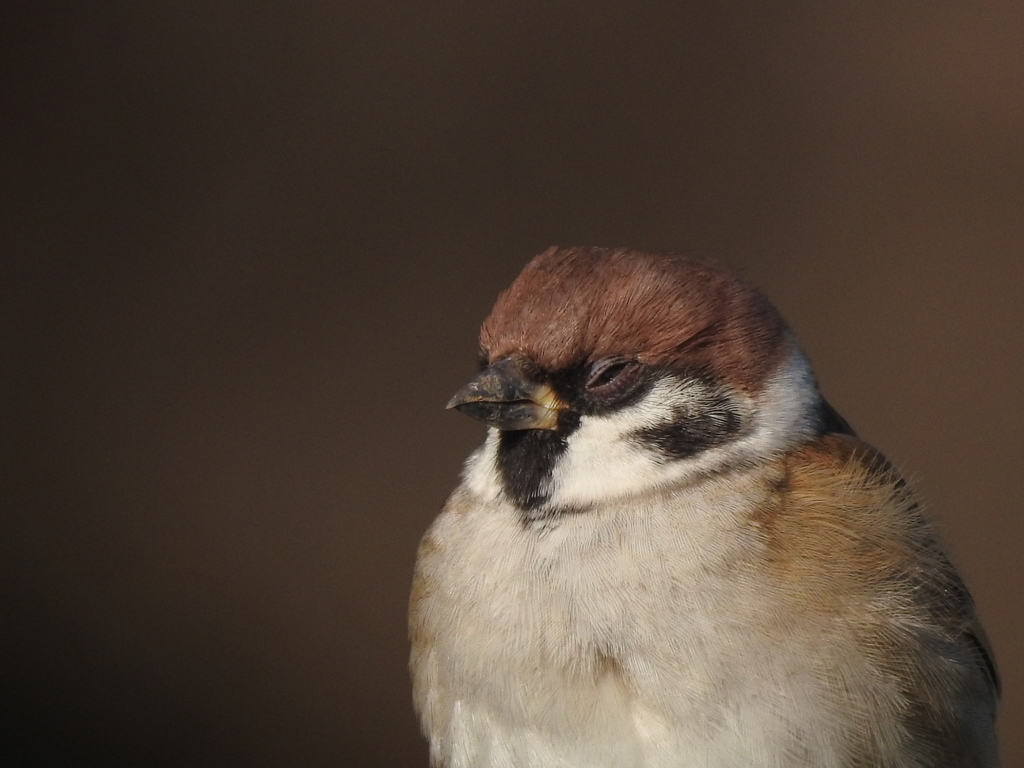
(245, 248)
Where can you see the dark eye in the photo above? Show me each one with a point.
(611, 378)
(605, 372)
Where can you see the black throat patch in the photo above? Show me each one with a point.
(526, 459)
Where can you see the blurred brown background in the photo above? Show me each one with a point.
(245, 248)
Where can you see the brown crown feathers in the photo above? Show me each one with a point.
(662, 309)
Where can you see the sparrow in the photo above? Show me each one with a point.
(670, 551)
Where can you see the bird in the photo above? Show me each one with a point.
(670, 551)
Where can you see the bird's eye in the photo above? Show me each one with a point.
(605, 372)
(611, 378)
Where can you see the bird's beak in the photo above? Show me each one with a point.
(503, 397)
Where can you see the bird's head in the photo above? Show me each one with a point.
(608, 373)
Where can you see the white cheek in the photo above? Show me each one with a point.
(604, 461)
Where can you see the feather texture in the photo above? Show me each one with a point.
(799, 614)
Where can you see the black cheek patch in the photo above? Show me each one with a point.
(715, 421)
(526, 459)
